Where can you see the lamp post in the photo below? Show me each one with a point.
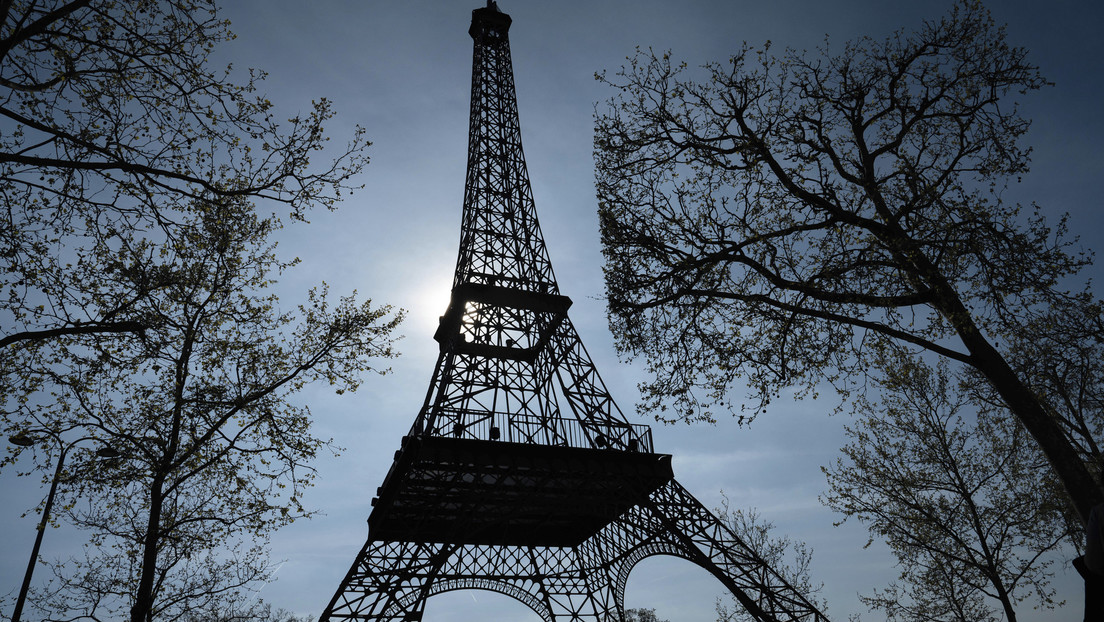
(26, 441)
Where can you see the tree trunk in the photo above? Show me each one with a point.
(141, 611)
(1082, 487)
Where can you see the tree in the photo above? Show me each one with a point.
(281, 615)
(962, 498)
(782, 220)
(214, 454)
(124, 159)
(641, 615)
(112, 119)
(790, 558)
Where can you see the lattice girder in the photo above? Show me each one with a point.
(520, 474)
(509, 392)
(501, 242)
(580, 583)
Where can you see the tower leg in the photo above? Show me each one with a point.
(705, 540)
(390, 581)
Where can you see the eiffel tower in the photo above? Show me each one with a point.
(498, 486)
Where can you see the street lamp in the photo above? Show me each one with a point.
(22, 440)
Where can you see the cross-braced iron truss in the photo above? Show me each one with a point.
(392, 579)
(520, 474)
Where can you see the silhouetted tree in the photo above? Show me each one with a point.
(133, 309)
(257, 612)
(641, 615)
(214, 455)
(112, 119)
(960, 494)
(790, 558)
(782, 220)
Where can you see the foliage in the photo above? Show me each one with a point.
(215, 456)
(790, 558)
(111, 120)
(1061, 354)
(641, 615)
(210, 586)
(962, 499)
(134, 264)
(280, 615)
(782, 221)
(257, 611)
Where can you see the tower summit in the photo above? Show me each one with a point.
(520, 474)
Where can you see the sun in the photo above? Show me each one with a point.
(428, 301)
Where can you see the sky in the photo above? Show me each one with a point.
(402, 70)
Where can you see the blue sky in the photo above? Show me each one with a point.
(402, 70)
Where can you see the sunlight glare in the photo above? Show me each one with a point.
(427, 303)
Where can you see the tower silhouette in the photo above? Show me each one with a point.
(520, 475)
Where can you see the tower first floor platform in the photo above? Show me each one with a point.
(469, 491)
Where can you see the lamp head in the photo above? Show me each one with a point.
(108, 452)
(22, 440)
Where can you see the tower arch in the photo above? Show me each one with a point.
(639, 554)
(500, 586)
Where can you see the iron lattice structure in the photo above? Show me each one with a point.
(520, 474)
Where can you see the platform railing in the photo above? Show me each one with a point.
(536, 430)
